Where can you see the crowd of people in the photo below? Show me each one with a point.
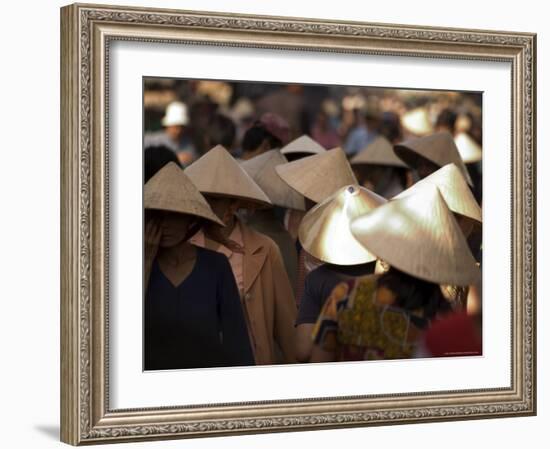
(296, 229)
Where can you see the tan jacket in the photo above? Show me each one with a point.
(268, 299)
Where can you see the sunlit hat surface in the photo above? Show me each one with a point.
(419, 235)
(325, 233)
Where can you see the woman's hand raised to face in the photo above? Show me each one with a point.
(151, 242)
(153, 234)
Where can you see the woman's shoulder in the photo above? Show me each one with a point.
(212, 258)
(254, 238)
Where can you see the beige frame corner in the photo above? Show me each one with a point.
(86, 31)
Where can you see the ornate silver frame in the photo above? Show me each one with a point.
(86, 31)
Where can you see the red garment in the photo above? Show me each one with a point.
(453, 335)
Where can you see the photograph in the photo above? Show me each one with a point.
(302, 223)
(275, 224)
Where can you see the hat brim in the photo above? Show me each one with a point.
(246, 203)
(212, 219)
(412, 158)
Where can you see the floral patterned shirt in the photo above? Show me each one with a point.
(356, 327)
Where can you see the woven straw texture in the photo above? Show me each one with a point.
(303, 144)
(453, 188)
(419, 235)
(317, 177)
(262, 170)
(438, 148)
(218, 173)
(325, 230)
(171, 190)
(379, 152)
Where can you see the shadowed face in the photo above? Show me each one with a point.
(175, 132)
(224, 208)
(173, 226)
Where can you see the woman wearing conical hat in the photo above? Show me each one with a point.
(324, 233)
(266, 294)
(291, 200)
(318, 176)
(315, 177)
(382, 316)
(270, 221)
(460, 200)
(301, 147)
(192, 312)
(378, 168)
(429, 153)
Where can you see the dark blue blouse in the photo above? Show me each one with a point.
(199, 323)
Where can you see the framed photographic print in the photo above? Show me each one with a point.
(280, 224)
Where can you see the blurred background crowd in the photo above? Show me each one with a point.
(193, 116)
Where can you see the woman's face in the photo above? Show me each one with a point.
(174, 227)
(224, 208)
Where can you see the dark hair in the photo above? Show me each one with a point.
(156, 157)
(413, 293)
(446, 118)
(390, 127)
(255, 135)
(221, 131)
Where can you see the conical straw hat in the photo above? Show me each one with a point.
(417, 121)
(453, 188)
(262, 170)
(438, 148)
(303, 144)
(324, 232)
(469, 150)
(419, 236)
(171, 190)
(218, 173)
(379, 152)
(318, 176)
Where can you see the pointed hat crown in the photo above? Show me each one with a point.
(303, 144)
(262, 170)
(453, 189)
(325, 233)
(218, 173)
(319, 176)
(171, 190)
(379, 152)
(438, 148)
